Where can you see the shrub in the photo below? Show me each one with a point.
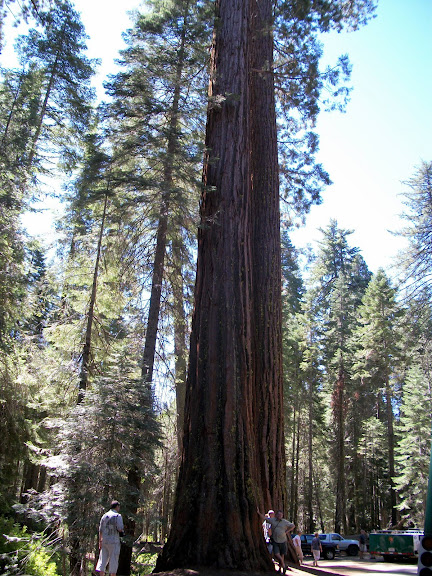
(20, 550)
(144, 563)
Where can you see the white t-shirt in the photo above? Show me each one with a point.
(110, 525)
(279, 528)
(297, 541)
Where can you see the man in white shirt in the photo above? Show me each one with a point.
(280, 528)
(110, 526)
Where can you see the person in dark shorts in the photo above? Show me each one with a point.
(280, 528)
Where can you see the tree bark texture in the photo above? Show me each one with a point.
(233, 457)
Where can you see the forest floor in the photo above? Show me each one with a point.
(293, 571)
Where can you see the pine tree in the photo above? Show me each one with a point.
(415, 262)
(65, 107)
(99, 443)
(159, 135)
(339, 278)
(412, 452)
(379, 365)
(19, 96)
(159, 99)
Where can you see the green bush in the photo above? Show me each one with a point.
(144, 563)
(22, 552)
(39, 562)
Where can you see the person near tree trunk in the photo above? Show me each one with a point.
(110, 529)
(280, 529)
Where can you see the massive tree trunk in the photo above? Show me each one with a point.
(266, 255)
(233, 457)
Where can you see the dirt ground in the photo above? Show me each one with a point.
(297, 571)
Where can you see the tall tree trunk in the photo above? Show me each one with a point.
(266, 262)
(46, 98)
(11, 113)
(293, 464)
(43, 111)
(177, 287)
(157, 279)
(233, 457)
(297, 464)
(390, 439)
(309, 494)
(75, 558)
(86, 353)
(339, 451)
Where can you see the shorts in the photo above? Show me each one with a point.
(280, 548)
(109, 554)
(316, 554)
(362, 547)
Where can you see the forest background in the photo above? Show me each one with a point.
(92, 339)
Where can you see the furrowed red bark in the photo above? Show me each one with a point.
(233, 456)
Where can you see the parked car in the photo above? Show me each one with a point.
(351, 547)
(329, 549)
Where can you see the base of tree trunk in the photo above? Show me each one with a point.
(205, 571)
(211, 572)
(125, 558)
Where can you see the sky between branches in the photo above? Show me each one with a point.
(368, 151)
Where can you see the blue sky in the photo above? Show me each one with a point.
(372, 148)
(385, 133)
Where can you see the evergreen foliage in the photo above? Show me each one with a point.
(91, 342)
(412, 453)
(415, 262)
(98, 444)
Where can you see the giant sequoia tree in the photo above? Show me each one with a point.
(233, 457)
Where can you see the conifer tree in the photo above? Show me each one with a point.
(159, 98)
(65, 106)
(340, 277)
(113, 430)
(19, 97)
(412, 451)
(415, 261)
(379, 364)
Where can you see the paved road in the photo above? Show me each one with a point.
(353, 566)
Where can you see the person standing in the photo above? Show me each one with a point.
(316, 548)
(297, 546)
(362, 544)
(110, 527)
(280, 528)
(268, 532)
